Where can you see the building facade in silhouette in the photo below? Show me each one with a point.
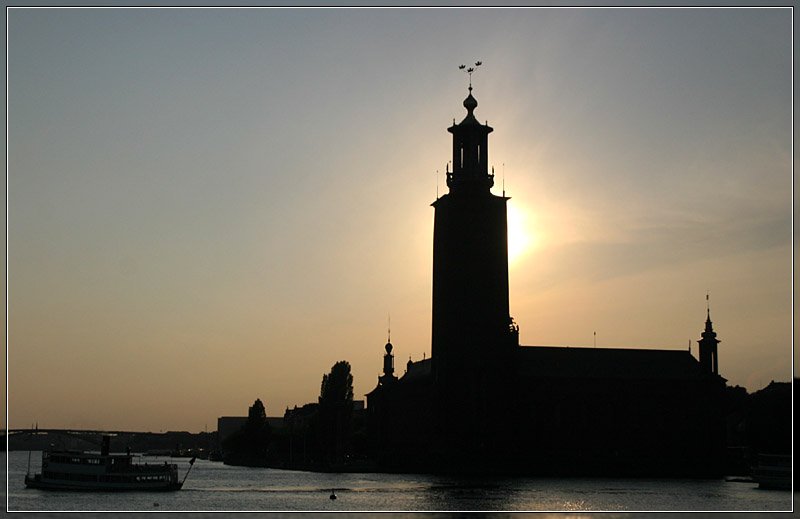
(485, 403)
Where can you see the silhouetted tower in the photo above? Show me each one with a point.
(470, 255)
(473, 334)
(388, 366)
(708, 347)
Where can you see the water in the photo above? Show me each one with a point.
(212, 486)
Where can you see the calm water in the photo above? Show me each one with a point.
(214, 486)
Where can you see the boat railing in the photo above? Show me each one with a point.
(145, 467)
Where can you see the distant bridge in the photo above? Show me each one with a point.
(74, 431)
(90, 439)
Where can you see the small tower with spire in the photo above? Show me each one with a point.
(709, 359)
(388, 363)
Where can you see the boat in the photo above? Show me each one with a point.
(774, 471)
(92, 471)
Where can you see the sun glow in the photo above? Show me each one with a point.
(520, 237)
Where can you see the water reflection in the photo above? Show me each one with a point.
(213, 486)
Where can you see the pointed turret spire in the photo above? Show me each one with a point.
(708, 344)
(388, 358)
(709, 327)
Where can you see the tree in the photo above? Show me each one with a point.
(337, 386)
(335, 413)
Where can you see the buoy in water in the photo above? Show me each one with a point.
(333, 494)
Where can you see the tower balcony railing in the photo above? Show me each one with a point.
(462, 179)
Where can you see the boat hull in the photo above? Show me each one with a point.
(99, 486)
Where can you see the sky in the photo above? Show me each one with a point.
(209, 206)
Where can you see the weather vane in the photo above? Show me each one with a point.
(470, 70)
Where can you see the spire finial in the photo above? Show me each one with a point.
(389, 346)
(470, 103)
(709, 325)
(469, 71)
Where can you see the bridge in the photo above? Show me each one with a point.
(90, 439)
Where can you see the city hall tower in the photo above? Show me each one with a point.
(473, 335)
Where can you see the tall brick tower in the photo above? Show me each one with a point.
(473, 335)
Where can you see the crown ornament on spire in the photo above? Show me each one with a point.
(470, 70)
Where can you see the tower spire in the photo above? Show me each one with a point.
(709, 359)
(470, 172)
(388, 358)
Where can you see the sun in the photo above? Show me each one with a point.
(520, 237)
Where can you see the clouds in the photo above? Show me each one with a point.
(671, 244)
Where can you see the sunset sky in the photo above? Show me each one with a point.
(209, 206)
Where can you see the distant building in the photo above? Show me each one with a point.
(301, 417)
(485, 403)
(228, 425)
(305, 435)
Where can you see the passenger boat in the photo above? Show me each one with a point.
(87, 471)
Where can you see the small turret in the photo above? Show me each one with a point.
(709, 360)
(388, 361)
(388, 364)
